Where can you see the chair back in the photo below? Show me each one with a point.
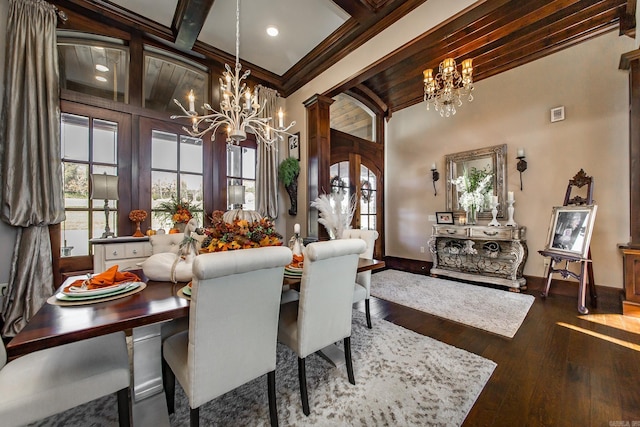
(370, 237)
(163, 243)
(233, 318)
(3, 354)
(326, 293)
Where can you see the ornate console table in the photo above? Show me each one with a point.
(480, 254)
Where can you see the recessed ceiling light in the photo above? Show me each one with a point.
(101, 79)
(272, 31)
(102, 68)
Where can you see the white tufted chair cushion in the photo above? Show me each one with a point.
(46, 382)
(363, 291)
(233, 322)
(322, 316)
(162, 243)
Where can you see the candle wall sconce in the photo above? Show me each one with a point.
(522, 165)
(435, 175)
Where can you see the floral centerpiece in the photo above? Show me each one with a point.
(177, 211)
(241, 234)
(473, 187)
(137, 216)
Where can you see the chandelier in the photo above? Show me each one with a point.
(446, 89)
(240, 110)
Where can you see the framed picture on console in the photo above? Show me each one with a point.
(570, 230)
(444, 217)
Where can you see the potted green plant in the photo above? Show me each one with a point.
(288, 172)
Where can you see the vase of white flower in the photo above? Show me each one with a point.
(473, 187)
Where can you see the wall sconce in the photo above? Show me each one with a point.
(522, 164)
(435, 176)
(105, 187)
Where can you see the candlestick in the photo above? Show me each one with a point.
(510, 196)
(192, 99)
(510, 209)
(296, 228)
(494, 211)
(520, 152)
(280, 119)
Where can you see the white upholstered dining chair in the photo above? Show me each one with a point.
(322, 315)
(233, 323)
(362, 289)
(53, 380)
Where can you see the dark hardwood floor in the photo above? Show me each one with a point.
(560, 369)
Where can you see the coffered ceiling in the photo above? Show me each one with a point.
(314, 34)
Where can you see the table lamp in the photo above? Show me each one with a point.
(104, 187)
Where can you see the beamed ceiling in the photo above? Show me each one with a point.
(498, 34)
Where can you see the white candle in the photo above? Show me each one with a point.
(433, 166)
(192, 99)
(520, 152)
(296, 228)
(495, 200)
(280, 119)
(510, 194)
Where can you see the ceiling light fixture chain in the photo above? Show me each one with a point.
(240, 110)
(446, 89)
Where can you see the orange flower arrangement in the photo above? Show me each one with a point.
(181, 215)
(137, 215)
(241, 234)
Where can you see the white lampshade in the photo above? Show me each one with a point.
(236, 194)
(104, 187)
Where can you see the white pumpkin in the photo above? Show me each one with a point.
(168, 266)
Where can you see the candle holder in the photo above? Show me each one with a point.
(494, 211)
(435, 175)
(510, 209)
(521, 166)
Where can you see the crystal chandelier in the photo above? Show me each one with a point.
(446, 89)
(240, 110)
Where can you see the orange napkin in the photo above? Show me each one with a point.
(110, 277)
(298, 261)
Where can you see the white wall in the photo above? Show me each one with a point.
(513, 108)
(7, 233)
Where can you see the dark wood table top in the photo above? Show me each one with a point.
(55, 325)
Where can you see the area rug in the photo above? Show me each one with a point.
(402, 379)
(494, 310)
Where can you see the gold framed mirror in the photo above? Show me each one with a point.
(493, 159)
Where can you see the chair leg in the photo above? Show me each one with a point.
(271, 387)
(347, 358)
(124, 408)
(367, 311)
(194, 417)
(169, 384)
(302, 377)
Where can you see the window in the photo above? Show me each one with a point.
(88, 145)
(176, 174)
(368, 197)
(351, 116)
(241, 170)
(340, 191)
(96, 66)
(167, 78)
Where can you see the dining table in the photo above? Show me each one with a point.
(142, 313)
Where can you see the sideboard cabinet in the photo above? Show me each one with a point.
(126, 252)
(480, 254)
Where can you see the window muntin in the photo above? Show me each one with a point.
(88, 146)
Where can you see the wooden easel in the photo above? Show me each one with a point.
(586, 266)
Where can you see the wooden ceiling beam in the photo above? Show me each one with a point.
(188, 20)
(356, 9)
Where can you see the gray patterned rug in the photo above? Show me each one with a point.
(402, 379)
(494, 310)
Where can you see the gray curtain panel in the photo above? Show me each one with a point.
(267, 164)
(32, 194)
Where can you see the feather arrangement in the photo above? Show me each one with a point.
(334, 219)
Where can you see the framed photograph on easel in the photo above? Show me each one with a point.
(570, 230)
(294, 145)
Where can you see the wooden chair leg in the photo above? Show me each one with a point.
(347, 357)
(124, 408)
(169, 384)
(367, 310)
(273, 408)
(302, 377)
(194, 417)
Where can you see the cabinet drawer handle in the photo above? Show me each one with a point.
(451, 231)
(135, 251)
(115, 253)
(492, 233)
